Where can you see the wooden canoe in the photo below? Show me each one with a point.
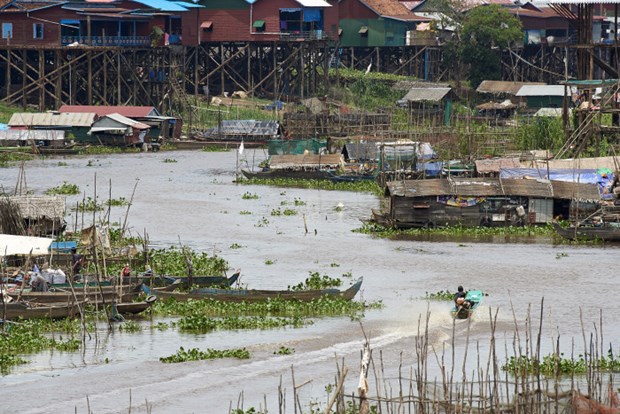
(202, 281)
(93, 294)
(245, 295)
(28, 310)
(588, 233)
(134, 308)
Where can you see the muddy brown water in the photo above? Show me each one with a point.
(196, 200)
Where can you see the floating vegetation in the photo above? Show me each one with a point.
(62, 164)
(334, 264)
(104, 149)
(525, 365)
(7, 158)
(285, 212)
(195, 354)
(325, 306)
(130, 327)
(316, 281)
(299, 202)
(215, 148)
(90, 204)
(284, 351)
(263, 222)
(441, 295)
(202, 323)
(245, 212)
(366, 186)
(235, 246)
(388, 232)
(249, 196)
(169, 160)
(269, 262)
(173, 261)
(31, 336)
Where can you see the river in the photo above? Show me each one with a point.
(195, 200)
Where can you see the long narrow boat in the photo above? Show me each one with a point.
(245, 295)
(202, 281)
(588, 233)
(96, 294)
(28, 310)
(134, 308)
(472, 301)
(293, 174)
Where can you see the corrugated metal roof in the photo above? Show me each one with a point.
(390, 8)
(361, 151)
(541, 90)
(245, 127)
(405, 85)
(595, 163)
(494, 164)
(426, 94)
(496, 87)
(128, 111)
(31, 134)
(123, 120)
(163, 5)
(33, 119)
(583, 1)
(314, 3)
(488, 187)
(279, 162)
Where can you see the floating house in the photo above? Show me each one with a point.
(247, 130)
(28, 137)
(118, 130)
(42, 215)
(75, 125)
(483, 202)
(543, 96)
(164, 127)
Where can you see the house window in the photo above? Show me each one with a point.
(37, 30)
(7, 30)
(259, 25)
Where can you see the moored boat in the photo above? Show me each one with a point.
(134, 308)
(253, 295)
(472, 301)
(604, 232)
(28, 310)
(201, 281)
(94, 294)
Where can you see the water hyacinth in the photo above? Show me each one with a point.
(195, 354)
(202, 324)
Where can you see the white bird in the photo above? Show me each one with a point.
(368, 68)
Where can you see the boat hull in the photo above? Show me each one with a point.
(586, 233)
(243, 295)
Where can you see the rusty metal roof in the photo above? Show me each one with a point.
(497, 87)
(489, 187)
(390, 8)
(32, 119)
(494, 164)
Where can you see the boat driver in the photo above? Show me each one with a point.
(459, 296)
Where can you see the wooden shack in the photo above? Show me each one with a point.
(474, 202)
(42, 215)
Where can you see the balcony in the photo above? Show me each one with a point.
(125, 41)
(296, 36)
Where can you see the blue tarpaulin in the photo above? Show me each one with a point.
(431, 169)
(312, 15)
(603, 178)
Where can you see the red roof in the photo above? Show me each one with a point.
(128, 111)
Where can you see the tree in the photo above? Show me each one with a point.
(486, 31)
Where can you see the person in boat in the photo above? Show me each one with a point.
(38, 283)
(459, 297)
(76, 262)
(126, 272)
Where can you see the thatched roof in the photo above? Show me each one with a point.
(37, 207)
(489, 187)
(505, 87)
